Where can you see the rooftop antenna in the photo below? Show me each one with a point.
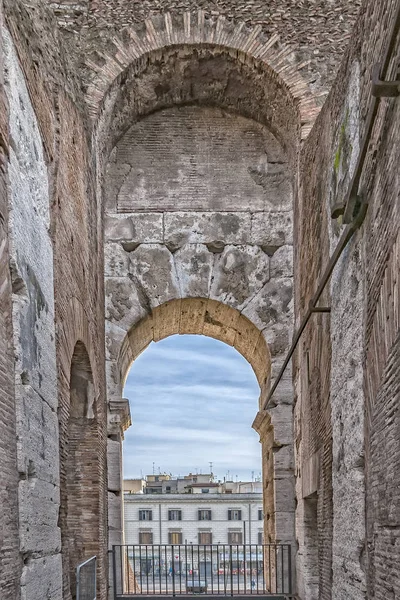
(252, 476)
(153, 467)
(236, 478)
(211, 466)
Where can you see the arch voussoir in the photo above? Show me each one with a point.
(249, 44)
(208, 317)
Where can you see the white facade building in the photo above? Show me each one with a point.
(193, 518)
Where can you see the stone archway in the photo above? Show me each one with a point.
(198, 144)
(207, 317)
(79, 473)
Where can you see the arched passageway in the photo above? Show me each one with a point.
(207, 317)
(79, 471)
(198, 144)
(192, 402)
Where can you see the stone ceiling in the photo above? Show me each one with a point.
(313, 34)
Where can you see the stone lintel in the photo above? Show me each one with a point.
(119, 416)
(262, 423)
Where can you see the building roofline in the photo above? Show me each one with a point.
(192, 498)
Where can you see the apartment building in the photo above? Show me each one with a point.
(207, 513)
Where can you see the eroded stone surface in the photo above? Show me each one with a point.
(34, 340)
(199, 159)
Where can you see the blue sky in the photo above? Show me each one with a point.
(193, 400)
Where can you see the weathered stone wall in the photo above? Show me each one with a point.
(10, 562)
(52, 163)
(227, 248)
(342, 359)
(311, 35)
(79, 307)
(199, 208)
(35, 356)
(199, 159)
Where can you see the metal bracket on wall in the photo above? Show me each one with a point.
(384, 89)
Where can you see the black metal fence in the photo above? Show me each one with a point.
(86, 580)
(217, 569)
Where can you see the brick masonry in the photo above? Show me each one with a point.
(351, 381)
(268, 67)
(61, 144)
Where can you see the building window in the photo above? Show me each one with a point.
(145, 537)
(174, 537)
(145, 515)
(260, 514)
(235, 537)
(260, 537)
(205, 537)
(168, 489)
(174, 515)
(234, 515)
(205, 490)
(204, 515)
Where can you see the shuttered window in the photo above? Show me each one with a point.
(204, 515)
(234, 515)
(175, 537)
(235, 537)
(145, 537)
(174, 515)
(145, 515)
(205, 537)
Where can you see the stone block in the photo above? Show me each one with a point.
(281, 264)
(240, 272)
(272, 229)
(114, 465)
(126, 303)
(273, 303)
(114, 338)
(284, 526)
(42, 578)
(116, 260)
(153, 271)
(284, 492)
(139, 228)
(283, 460)
(194, 267)
(38, 515)
(115, 512)
(166, 319)
(206, 228)
(277, 337)
(38, 445)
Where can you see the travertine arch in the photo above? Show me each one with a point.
(161, 33)
(203, 75)
(198, 316)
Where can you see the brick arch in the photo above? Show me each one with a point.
(250, 46)
(82, 425)
(198, 316)
(211, 318)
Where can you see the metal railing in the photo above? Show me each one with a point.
(86, 580)
(210, 569)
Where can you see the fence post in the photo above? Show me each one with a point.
(114, 572)
(88, 590)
